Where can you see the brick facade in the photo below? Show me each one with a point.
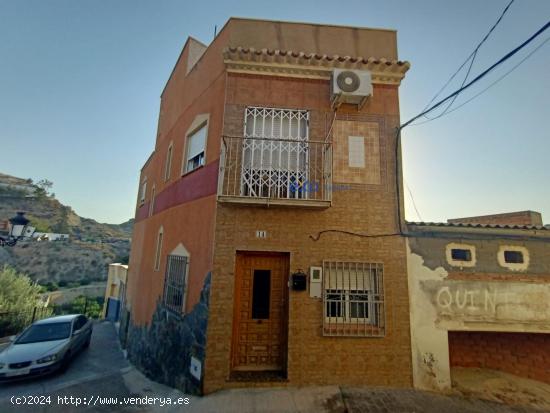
(522, 354)
(367, 207)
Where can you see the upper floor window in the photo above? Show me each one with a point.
(152, 203)
(461, 255)
(275, 152)
(158, 252)
(168, 164)
(513, 257)
(196, 146)
(143, 191)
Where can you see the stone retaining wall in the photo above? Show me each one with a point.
(163, 349)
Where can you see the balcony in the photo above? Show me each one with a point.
(275, 171)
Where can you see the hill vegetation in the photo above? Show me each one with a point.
(80, 260)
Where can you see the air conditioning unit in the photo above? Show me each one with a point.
(351, 86)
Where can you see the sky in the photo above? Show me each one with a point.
(80, 83)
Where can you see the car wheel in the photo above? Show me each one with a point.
(65, 362)
(87, 342)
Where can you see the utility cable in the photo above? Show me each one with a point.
(412, 199)
(480, 76)
(489, 86)
(471, 57)
(424, 112)
(477, 79)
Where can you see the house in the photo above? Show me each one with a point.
(480, 297)
(267, 246)
(47, 236)
(115, 291)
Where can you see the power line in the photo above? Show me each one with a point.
(435, 106)
(412, 199)
(424, 112)
(355, 234)
(480, 76)
(462, 84)
(471, 57)
(490, 85)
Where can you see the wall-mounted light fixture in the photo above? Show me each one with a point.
(18, 225)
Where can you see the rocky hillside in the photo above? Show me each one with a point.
(82, 259)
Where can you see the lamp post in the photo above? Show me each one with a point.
(18, 225)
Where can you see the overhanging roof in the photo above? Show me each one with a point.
(292, 63)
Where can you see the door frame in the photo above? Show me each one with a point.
(236, 298)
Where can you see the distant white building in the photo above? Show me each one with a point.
(49, 236)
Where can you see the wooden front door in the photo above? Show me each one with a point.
(260, 317)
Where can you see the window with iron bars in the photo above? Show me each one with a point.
(275, 152)
(175, 283)
(353, 299)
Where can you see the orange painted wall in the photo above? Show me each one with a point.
(185, 97)
(192, 224)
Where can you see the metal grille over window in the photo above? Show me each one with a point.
(174, 283)
(275, 153)
(353, 299)
(276, 158)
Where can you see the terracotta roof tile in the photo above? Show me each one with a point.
(487, 226)
(240, 51)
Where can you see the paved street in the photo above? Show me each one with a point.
(103, 358)
(100, 365)
(101, 374)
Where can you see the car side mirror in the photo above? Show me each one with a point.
(76, 332)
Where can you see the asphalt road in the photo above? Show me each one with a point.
(101, 380)
(95, 371)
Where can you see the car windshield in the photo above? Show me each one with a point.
(45, 332)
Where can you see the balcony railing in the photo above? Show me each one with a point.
(275, 171)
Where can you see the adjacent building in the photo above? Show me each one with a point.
(115, 291)
(480, 297)
(267, 247)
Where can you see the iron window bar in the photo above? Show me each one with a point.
(174, 292)
(353, 299)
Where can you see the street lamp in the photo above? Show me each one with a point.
(18, 225)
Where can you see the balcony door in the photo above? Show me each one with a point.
(275, 153)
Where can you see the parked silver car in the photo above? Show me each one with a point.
(45, 346)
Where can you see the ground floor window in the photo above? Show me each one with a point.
(353, 299)
(175, 283)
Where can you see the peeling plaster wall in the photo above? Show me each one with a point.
(429, 344)
(441, 303)
(432, 248)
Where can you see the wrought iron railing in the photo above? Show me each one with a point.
(275, 169)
